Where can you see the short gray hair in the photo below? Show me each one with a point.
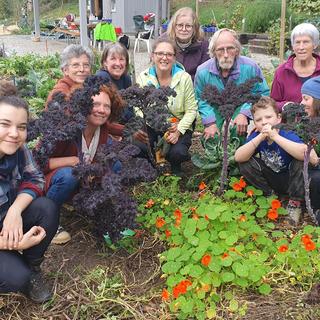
(305, 29)
(75, 51)
(214, 38)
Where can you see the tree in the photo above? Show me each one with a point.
(310, 7)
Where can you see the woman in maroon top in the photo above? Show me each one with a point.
(184, 29)
(302, 65)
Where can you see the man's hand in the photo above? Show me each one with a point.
(12, 231)
(241, 121)
(31, 238)
(210, 131)
(173, 137)
(141, 136)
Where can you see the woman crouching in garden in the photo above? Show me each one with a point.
(165, 71)
(27, 223)
(61, 184)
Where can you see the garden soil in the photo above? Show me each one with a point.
(90, 280)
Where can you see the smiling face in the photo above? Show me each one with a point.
(184, 28)
(307, 101)
(101, 110)
(115, 64)
(263, 116)
(13, 128)
(78, 69)
(226, 50)
(163, 57)
(303, 47)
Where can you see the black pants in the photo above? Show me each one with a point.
(314, 175)
(288, 182)
(178, 152)
(14, 266)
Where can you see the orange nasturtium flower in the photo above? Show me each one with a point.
(275, 204)
(178, 214)
(250, 193)
(225, 255)
(168, 233)
(165, 294)
(242, 183)
(206, 217)
(195, 216)
(206, 260)
(272, 214)
(181, 288)
(236, 187)
(150, 203)
(242, 218)
(160, 222)
(306, 238)
(202, 186)
(173, 120)
(310, 246)
(178, 222)
(283, 248)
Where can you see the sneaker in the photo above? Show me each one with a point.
(294, 212)
(37, 289)
(61, 237)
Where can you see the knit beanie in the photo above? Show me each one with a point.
(312, 87)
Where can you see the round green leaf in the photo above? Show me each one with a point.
(232, 239)
(196, 271)
(227, 277)
(265, 289)
(233, 306)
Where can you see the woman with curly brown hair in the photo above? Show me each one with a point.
(60, 183)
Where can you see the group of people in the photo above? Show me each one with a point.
(183, 60)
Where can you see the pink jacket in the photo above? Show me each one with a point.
(286, 85)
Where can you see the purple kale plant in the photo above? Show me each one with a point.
(104, 196)
(226, 103)
(152, 104)
(308, 129)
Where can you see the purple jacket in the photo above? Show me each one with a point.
(192, 56)
(286, 85)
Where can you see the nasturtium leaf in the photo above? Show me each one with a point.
(277, 234)
(263, 203)
(217, 249)
(261, 213)
(265, 289)
(240, 269)
(203, 235)
(228, 295)
(226, 262)
(193, 240)
(196, 271)
(226, 216)
(308, 229)
(211, 313)
(254, 275)
(216, 280)
(261, 240)
(282, 211)
(234, 305)
(251, 209)
(185, 270)
(227, 276)
(229, 194)
(201, 294)
(177, 240)
(241, 282)
(190, 228)
(223, 234)
(258, 192)
(214, 214)
(187, 306)
(232, 239)
(185, 256)
(269, 225)
(173, 253)
(200, 305)
(171, 267)
(206, 278)
(202, 224)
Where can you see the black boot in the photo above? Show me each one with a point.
(37, 289)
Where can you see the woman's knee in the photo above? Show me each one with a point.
(65, 177)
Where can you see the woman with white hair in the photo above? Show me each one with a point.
(302, 65)
(76, 62)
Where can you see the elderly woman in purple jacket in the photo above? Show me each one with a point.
(184, 29)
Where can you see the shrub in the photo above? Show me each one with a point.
(259, 14)
(274, 38)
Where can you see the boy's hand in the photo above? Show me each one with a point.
(269, 132)
(173, 137)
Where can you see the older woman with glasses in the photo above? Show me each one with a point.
(165, 71)
(184, 30)
(76, 63)
(302, 65)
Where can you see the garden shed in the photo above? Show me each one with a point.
(122, 11)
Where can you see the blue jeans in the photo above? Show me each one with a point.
(63, 185)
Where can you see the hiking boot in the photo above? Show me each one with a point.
(37, 289)
(61, 237)
(294, 212)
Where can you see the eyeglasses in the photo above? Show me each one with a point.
(228, 49)
(161, 54)
(180, 26)
(79, 65)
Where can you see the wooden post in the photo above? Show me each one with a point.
(197, 8)
(83, 23)
(158, 19)
(36, 20)
(282, 30)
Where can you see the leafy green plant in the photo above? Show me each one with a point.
(218, 246)
(310, 7)
(274, 38)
